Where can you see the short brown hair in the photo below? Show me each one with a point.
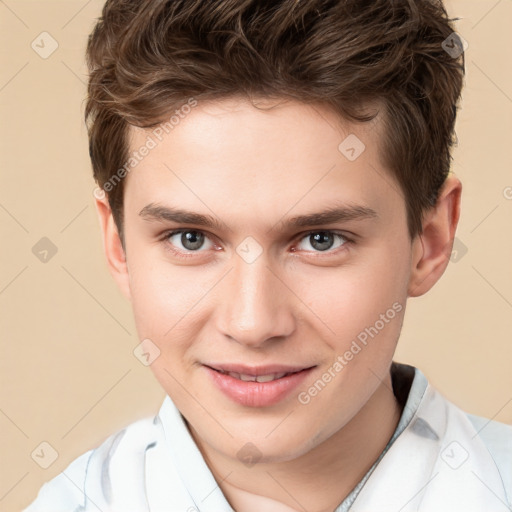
(147, 58)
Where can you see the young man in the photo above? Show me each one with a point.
(274, 185)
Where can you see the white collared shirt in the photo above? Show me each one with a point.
(440, 459)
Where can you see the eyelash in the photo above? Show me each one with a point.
(191, 254)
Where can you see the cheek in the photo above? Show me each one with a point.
(364, 311)
(164, 296)
(349, 298)
(166, 305)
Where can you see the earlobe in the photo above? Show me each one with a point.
(112, 247)
(432, 249)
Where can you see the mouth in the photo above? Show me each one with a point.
(268, 377)
(266, 373)
(257, 386)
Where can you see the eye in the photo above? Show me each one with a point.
(189, 239)
(185, 242)
(323, 241)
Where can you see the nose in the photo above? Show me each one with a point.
(257, 305)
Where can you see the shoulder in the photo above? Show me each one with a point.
(491, 439)
(494, 436)
(497, 438)
(67, 491)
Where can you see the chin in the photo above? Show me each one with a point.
(271, 451)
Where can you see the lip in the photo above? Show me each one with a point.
(257, 394)
(256, 370)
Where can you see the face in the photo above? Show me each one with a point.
(253, 238)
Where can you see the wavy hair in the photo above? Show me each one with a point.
(147, 58)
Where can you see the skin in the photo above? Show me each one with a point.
(295, 304)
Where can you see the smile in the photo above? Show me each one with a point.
(261, 390)
(256, 378)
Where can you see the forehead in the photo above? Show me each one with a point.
(250, 123)
(263, 158)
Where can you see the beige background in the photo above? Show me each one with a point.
(68, 375)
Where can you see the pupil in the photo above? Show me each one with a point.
(192, 240)
(321, 241)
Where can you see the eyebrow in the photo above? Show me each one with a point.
(331, 215)
(156, 212)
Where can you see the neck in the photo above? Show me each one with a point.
(319, 480)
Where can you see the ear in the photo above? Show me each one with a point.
(112, 246)
(432, 249)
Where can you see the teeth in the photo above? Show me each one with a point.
(254, 378)
(268, 378)
(245, 378)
